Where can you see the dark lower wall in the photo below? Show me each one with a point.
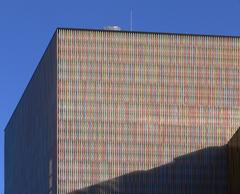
(234, 163)
(201, 172)
(30, 133)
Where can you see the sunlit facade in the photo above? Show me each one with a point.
(128, 101)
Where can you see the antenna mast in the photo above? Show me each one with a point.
(131, 20)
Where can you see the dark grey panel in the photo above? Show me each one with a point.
(30, 136)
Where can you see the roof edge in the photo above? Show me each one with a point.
(145, 32)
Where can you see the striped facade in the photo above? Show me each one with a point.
(132, 101)
(112, 102)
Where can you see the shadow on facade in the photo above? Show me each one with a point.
(234, 163)
(201, 172)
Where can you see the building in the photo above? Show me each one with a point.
(234, 163)
(176, 177)
(105, 103)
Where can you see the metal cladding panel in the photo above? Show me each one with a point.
(30, 136)
(134, 101)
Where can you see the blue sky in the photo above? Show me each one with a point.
(26, 28)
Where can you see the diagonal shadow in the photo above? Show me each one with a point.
(201, 172)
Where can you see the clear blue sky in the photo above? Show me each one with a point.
(26, 28)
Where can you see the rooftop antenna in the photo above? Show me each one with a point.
(131, 20)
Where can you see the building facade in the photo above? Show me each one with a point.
(113, 102)
(30, 135)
